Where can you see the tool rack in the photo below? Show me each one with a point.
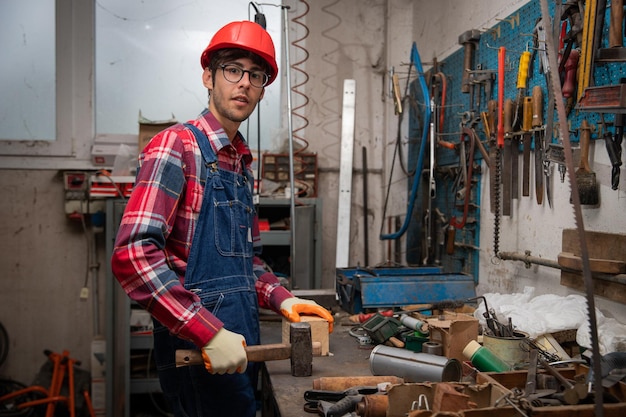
(516, 34)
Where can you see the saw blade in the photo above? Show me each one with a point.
(588, 280)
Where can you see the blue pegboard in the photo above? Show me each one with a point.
(516, 34)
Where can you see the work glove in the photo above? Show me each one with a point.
(225, 353)
(292, 307)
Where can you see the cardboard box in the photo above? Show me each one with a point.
(406, 397)
(517, 379)
(609, 410)
(149, 128)
(319, 332)
(454, 331)
(105, 148)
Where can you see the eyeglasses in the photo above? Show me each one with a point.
(234, 74)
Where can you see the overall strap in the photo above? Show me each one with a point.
(205, 147)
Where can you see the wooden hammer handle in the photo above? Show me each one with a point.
(255, 353)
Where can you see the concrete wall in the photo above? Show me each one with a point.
(44, 266)
(43, 256)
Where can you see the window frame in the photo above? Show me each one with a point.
(74, 92)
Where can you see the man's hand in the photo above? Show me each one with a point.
(292, 307)
(225, 353)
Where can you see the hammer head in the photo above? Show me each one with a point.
(472, 35)
(301, 349)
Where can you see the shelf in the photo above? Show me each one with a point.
(277, 251)
(276, 238)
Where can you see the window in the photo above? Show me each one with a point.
(98, 63)
(148, 61)
(27, 71)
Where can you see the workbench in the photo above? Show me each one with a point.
(283, 394)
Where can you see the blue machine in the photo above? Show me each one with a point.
(363, 288)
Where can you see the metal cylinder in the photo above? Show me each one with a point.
(414, 366)
(412, 323)
(373, 406)
(513, 350)
(434, 348)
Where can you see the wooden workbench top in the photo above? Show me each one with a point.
(346, 358)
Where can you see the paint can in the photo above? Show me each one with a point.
(512, 350)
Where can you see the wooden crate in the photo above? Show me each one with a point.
(276, 168)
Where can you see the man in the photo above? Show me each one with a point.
(188, 241)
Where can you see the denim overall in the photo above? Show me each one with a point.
(219, 271)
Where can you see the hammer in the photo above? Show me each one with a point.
(299, 351)
(468, 39)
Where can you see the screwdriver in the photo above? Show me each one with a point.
(522, 78)
(541, 166)
(527, 127)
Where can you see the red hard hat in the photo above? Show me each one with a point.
(246, 35)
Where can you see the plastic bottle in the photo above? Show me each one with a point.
(484, 359)
(413, 324)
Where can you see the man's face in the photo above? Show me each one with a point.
(232, 102)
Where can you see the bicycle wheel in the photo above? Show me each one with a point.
(9, 408)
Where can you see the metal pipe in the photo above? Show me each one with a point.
(416, 60)
(530, 260)
(292, 185)
(366, 247)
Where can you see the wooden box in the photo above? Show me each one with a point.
(319, 332)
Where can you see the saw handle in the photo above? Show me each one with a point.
(615, 26)
(522, 71)
(507, 117)
(571, 66)
(527, 120)
(585, 140)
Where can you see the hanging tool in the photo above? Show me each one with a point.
(522, 79)
(613, 145)
(541, 30)
(468, 172)
(585, 63)
(507, 165)
(468, 39)
(499, 142)
(570, 67)
(615, 25)
(542, 167)
(432, 190)
(614, 149)
(527, 125)
(585, 177)
(485, 78)
(489, 124)
(417, 62)
(578, 219)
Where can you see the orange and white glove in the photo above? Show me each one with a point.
(292, 307)
(225, 353)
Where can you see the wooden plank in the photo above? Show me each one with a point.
(607, 246)
(606, 266)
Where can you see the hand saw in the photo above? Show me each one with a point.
(564, 133)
